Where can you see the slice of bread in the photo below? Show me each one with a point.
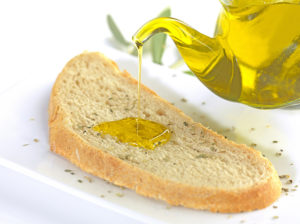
(197, 168)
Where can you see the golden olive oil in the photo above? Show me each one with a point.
(136, 131)
(254, 57)
(265, 39)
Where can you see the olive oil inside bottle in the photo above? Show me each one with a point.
(134, 130)
(254, 57)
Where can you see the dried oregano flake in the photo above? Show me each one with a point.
(289, 181)
(120, 195)
(202, 156)
(183, 100)
(90, 180)
(278, 154)
(284, 176)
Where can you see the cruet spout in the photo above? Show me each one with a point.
(205, 56)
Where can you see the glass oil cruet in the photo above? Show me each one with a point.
(254, 57)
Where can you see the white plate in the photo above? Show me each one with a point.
(24, 133)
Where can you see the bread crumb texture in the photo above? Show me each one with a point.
(91, 90)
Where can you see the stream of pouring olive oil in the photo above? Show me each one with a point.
(136, 131)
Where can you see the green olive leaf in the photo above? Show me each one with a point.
(165, 13)
(116, 31)
(158, 41)
(189, 72)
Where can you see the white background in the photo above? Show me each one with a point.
(34, 33)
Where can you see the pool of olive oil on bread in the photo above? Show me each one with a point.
(136, 131)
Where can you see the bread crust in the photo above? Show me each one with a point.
(77, 150)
